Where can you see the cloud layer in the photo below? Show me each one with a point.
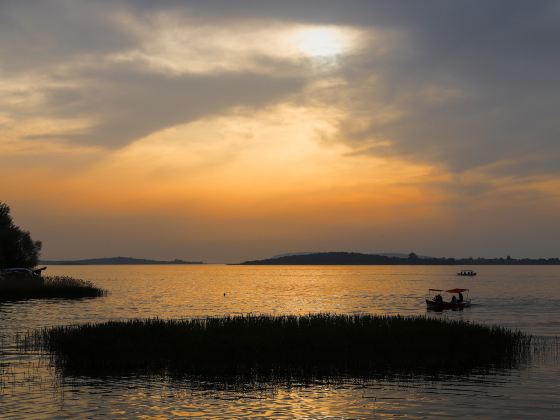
(467, 84)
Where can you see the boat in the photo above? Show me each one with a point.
(456, 300)
(466, 273)
(17, 278)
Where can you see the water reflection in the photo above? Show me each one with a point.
(503, 393)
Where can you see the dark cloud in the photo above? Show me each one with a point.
(37, 35)
(499, 61)
(500, 57)
(130, 103)
(475, 81)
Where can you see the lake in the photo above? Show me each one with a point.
(519, 297)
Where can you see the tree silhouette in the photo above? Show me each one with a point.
(17, 249)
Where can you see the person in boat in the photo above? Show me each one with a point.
(38, 271)
(453, 300)
(438, 299)
(460, 297)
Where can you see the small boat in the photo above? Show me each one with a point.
(466, 273)
(457, 301)
(17, 278)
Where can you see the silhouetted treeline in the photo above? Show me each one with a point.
(17, 249)
(355, 258)
(117, 261)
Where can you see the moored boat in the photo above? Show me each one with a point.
(17, 278)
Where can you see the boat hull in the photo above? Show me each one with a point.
(432, 305)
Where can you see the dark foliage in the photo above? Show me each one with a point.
(53, 287)
(281, 346)
(17, 249)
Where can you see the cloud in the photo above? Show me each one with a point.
(97, 63)
(462, 85)
(36, 36)
(466, 86)
(127, 104)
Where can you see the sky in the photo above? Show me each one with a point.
(230, 130)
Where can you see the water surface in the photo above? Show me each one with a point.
(522, 297)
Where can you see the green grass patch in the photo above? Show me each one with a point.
(62, 287)
(281, 346)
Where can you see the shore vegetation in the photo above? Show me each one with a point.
(315, 345)
(61, 287)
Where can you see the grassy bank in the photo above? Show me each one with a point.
(312, 345)
(53, 287)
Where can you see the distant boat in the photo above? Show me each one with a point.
(435, 300)
(466, 273)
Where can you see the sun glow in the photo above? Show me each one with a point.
(322, 42)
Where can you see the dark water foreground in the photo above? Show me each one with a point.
(36, 389)
(306, 346)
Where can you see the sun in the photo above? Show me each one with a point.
(321, 42)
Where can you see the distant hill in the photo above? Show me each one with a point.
(355, 258)
(386, 254)
(290, 254)
(116, 261)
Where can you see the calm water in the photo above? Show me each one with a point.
(526, 298)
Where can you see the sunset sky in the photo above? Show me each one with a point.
(231, 130)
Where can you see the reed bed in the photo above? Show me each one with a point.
(307, 346)
(62, 287)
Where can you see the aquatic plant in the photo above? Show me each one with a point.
(53, 287)
(279, 346)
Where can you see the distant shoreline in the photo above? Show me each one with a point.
(119, 261)
(355, 258)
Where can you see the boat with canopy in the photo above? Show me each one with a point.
(454, 299)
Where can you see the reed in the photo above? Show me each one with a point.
(62, 287)
(296, 346)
